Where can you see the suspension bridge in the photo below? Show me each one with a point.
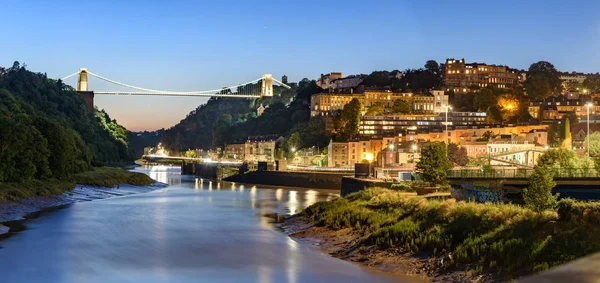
(260, 87)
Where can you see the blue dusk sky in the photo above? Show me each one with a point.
(196, 45)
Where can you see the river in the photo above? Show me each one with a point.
(194, 230)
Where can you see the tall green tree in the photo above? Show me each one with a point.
(351, 119)
(401, 107)
(433, 164)
(376, 109)
(542, 81)
(538, 195)
(594, 144)
(221, 125)
(457, 155)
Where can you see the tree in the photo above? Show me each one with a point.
(458, 155)
(432, 67)
(376, 109)
(349, 119)
(221, 126)
(567, 141)
(565, 162)
(433, 164)
(592, 83)
(484, 99)
(593, 140)
(400, 106)
(542, 81)
(538, 196)
(493, 114)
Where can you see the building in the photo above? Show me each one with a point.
(399, 124)
(460, 76)
(326, 81)
(261, 148)
(554, 108)
(260, 110)
(348, 83)
(440, 101)
(258, 148)
(383, 151)
(324, 104)
(337, 154)
(234, 151)
(569, 79)
(284, 79)
(462, 135)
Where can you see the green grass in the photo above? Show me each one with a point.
(103, 176)
(109, 177)
(505, 239)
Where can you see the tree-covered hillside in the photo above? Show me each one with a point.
(46, 130)
(225, 120)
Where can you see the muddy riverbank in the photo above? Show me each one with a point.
(344, 244)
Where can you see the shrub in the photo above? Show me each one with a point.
(538, 196)
(403, 187)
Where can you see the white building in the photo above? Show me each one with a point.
(440, 99)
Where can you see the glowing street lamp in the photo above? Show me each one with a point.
(589, 105)
(447, 107)
(369, 157)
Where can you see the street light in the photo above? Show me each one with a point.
(447, 107)
(589, 105)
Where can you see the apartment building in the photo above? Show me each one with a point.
(460, 76)
(323, 104)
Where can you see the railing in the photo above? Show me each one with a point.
(521, 173)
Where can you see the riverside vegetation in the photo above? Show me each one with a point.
(501, 241)
(50, 141)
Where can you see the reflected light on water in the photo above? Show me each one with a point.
(293, 201)
(311, 197)
(253, 197)
(210, 185)
(159, 173)
(264, 274)
(278, 194)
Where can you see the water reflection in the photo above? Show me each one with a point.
(188, 233)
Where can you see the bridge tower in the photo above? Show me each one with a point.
(267, 85)
(82, 88)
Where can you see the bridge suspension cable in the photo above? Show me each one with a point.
(255, 88)
(170, 92)
(73, 74)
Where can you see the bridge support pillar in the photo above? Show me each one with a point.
(82, 88)
(267, 85)
(88, 97)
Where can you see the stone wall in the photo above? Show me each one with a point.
(468, 192)
(317, 180)
(352, 185)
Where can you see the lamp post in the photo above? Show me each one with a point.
(589, 105)
(447, 107)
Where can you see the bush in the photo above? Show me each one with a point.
(538, 196)
(403, 187)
